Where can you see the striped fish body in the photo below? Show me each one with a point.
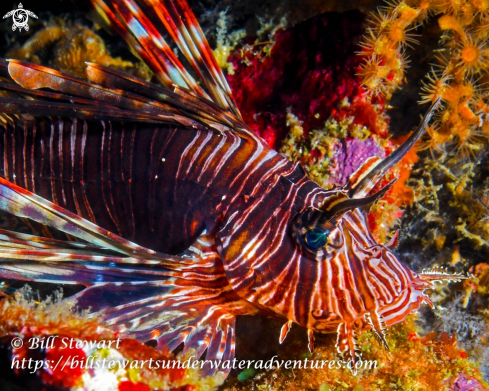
(156, 185)
(162, 187)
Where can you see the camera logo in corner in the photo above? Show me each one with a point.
(20, 17)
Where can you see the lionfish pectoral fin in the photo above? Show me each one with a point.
(173, 311)
(34, 258)
(172, 299)
(23, 203)
(345, 343)
(212, 333)
(374, 169)
(284, 331)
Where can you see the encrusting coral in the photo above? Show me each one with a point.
(68, 48)
(458, 188)
(23, 317)
(425, 363)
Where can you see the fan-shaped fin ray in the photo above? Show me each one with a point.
(196, 107)
(158, 302)
(285, 330)
(184, 28)
(23, 203)
(33, 76)
(140, 24)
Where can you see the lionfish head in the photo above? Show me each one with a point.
(364, 285)
(361, 284)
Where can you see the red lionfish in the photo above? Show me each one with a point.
(115, 161)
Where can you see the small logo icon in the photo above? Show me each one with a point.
(20, 16)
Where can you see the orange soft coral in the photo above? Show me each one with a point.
(462, 61)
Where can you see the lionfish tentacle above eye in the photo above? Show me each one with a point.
(361, 182)
(330, 210)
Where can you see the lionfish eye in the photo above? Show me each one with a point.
(317, 237)
(311, 231)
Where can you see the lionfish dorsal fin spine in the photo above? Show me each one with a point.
(203, 57)
(138, 26)
(112, 102)
(126, 18)
(191, 105)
